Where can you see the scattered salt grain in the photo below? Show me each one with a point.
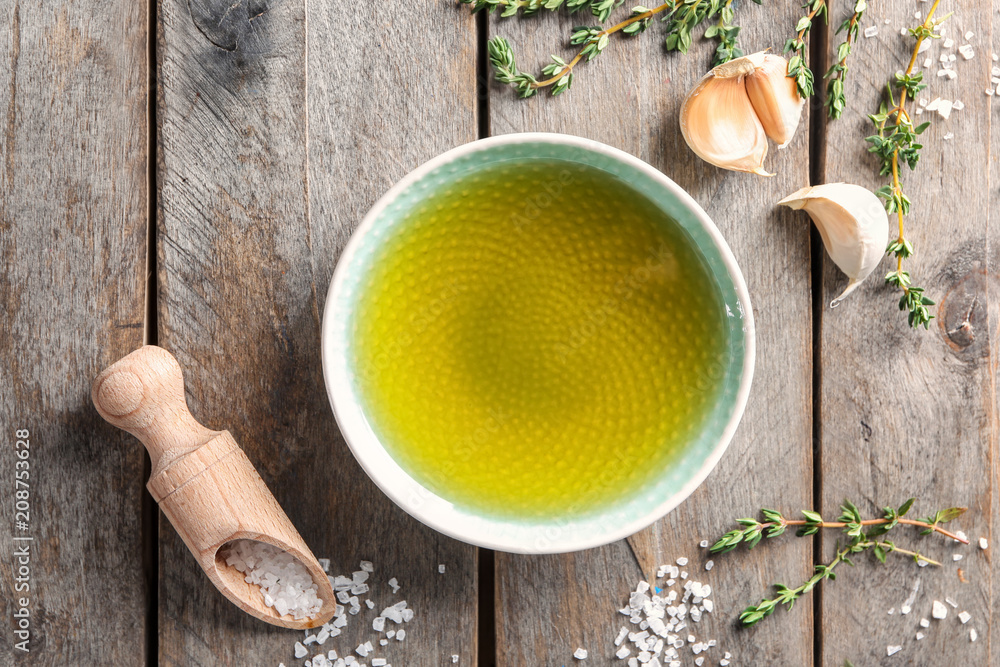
(709, 565)
(920, 636)
(964, 617)
(948, 43)
(938, 610)
(871, 31)
(324, 563)
(300, 650)
(905, 609)
(983, 544)
(956, 557)
(394, 584)
(921, 562)
(973, 635)
(928, 62)
(682, 561)
(892, 611)
(967, 51)
(924, 623)
(969, 35)
(961, 536)
(579, 654)
(893, 650)
(958, 105)
(400, 635)
(454, 658)
(623, 653)
(441, 568)
(704, 543)
(954, 605)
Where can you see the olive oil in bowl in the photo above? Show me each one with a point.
(536, 339)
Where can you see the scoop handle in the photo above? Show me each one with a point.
(143, 393)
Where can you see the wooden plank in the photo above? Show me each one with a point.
(993, 442)
(630, 97)
(913, 413)
(73, 216)
(280, 124)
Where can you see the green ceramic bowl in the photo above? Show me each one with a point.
(680, 477)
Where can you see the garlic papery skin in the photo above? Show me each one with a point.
(775, 98)
(853, 224)
(718, 120)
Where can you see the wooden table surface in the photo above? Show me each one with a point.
(186, 173)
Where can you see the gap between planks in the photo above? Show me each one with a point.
(818, 119)
(150, 520)
(486, 585)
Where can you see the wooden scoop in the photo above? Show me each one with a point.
(202, 480)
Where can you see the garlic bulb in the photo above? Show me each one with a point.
(776, 99)
(853, 224)
(728, 116)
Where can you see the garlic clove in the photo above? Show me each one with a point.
(775, 98)
(718, 120)
(853, 224)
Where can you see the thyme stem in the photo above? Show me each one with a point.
(900, 115)
(863, 535)
(596, 38)
(867, 522)
(895, 142)
(835, 101)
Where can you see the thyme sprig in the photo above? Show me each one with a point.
(835, 101)
(896, 141)
(681, 18)
(860, 535)
(726, 33)
(599, 8)
(592, 41)
(798, 68)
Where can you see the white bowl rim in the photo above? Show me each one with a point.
(339, 390)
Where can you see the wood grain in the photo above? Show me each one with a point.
(913, 413)
(629, 97)
(280, 124)
(73, 200)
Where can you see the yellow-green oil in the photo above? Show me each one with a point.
(537, 340)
